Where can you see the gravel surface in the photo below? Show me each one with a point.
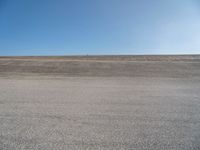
(125, 105)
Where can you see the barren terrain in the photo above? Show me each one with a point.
(100, 103)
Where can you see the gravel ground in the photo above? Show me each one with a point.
(137, 107)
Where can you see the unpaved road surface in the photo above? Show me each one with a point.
(72, 104)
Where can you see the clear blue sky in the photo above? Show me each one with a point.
(71, 27)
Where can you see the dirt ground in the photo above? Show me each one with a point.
(100, 104)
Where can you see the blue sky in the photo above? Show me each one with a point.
(79, 27)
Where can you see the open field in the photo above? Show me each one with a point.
(100, 103)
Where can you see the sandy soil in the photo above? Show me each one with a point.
(50, 104)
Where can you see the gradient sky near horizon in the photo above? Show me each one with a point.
(79, 27)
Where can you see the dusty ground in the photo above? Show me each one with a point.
(105, 104)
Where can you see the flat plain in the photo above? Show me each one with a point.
(100, 103)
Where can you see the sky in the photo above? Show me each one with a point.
(98, 27)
